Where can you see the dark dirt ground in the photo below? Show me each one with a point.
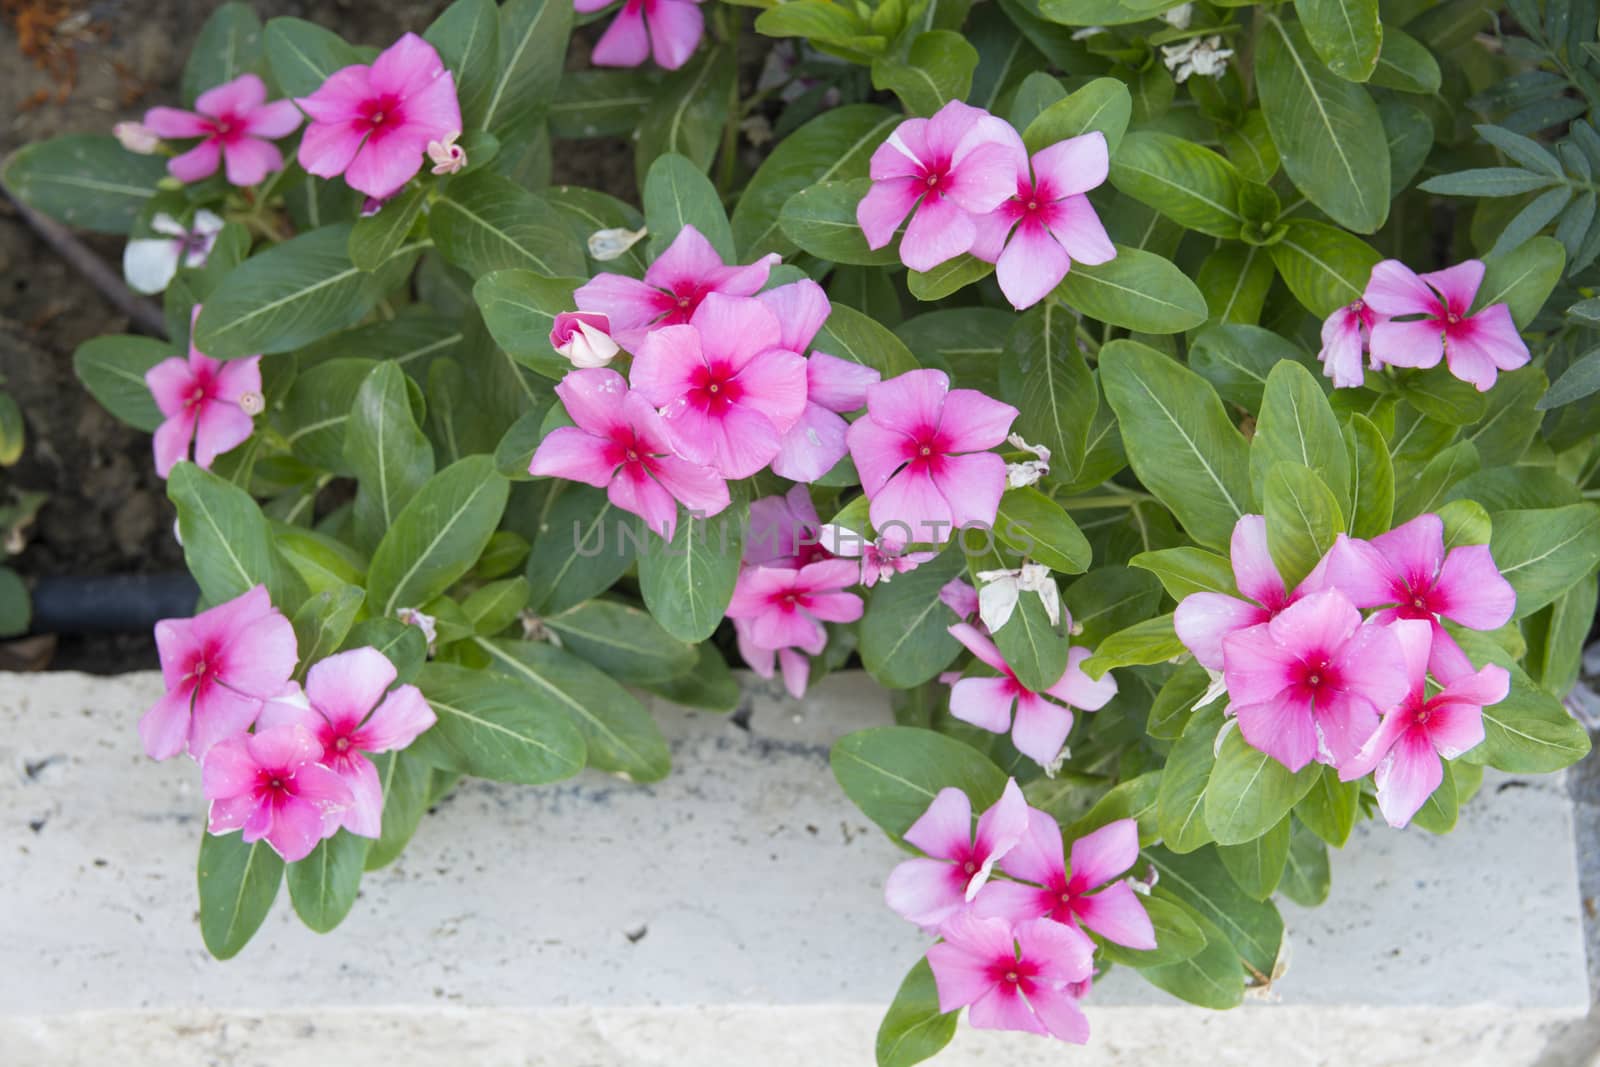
(107, 513)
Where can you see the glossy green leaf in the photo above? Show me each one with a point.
(226, 543)
(113, 366)
(532, 45)
(1296, 424)
(1258, 865)
(904, 632)
(483, 222)
(238, 883)
(1303, 518)
(1033, 524)
(1103, 104)
(1138, 290)
(937, 69)
(1180, 805)
(496, 727)
(1346, 34)
(914, 1029)
(1323, 266)
(678, 194)
(386, 450)
(323, 886)
(624, 642)
(688, 582)
(228, 45)
(302, 55)
(892, 773)
(437, 536)
(1249, 793)
(821, 219)
(1543, 552)
(85, 180)
(1191, 185)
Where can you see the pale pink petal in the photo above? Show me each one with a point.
(948, 128)
(759, 659)
(877, 451)
(774, 383)
(939, 231)
(911, 403)
(364, 815)
(171, 442)
(625, 42)
(984, 702)
(1079, 229)
(944, 831)
(961, 977)
(257, 657)
(432, 112)
(219, 714)
(1204, 619)
(1039, 856)
(812, 446)
(1345, 721)
(1415, 638)
(689, 261)
(637, 493)
(1075, 687)
(1455, 727)
(1418, 343)
(737, 329)
(628, 303)
(234, 98)
(326, 148)
(697, 488)
(290, 708)
(675, 30)
(971, 421)
(1075, 165)
(1470, 590)
(838, 384)
(1415, 550)
(249, 161)
(220, 428)
(1362, 572)
(171, 122)
(1283, 729)
(1342, 349)
(1013, 901)
(1003, 1008)
(277, 119)
(1320, 622)
(1372, 664)
(800, 308)
(1040, 727)
(1395, 289)
(980, 646)
(319, 785)
(237, 377)
(1253, 569)
(1392, 727)
(796, 672)
(902, 152)
(835, 607)
(1059, 952)
(991, 230)
(341, 98)
(283, 748)
(197, 163)
(1257, 668)
(171, 382)
(1495, 333)
(912, 498)
(1458, 284)
(1470, 362)
(999, 829)
(982, 177)
(574, 454)
(1116, 914)
(347, 686)
(405, 68)
(382, 167)
(231, 813)
(780, 628)
(971, 485)
(1104, 854)
(746, 280)
(296, 828)
(1407, 777)
(1058, 1010)
(164, 729)
(668, 363)
(736, 444)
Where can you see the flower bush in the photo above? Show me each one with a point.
(1157, 397)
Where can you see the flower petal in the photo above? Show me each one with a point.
(944, 831)
(347, 686)
(1040, 728)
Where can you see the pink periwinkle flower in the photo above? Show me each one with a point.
(881, 559)
(1074, 895)
(1041, 726)
(1035, 235)
(1312, 683)
(1345, 336)
(672, 289)
(218, 667)
(1014, 978)
(373, 123)
(1427, 318)
(346, 706)
(727, 388)
(668, 30)
(942, 171)
(794, 662)
(921, 453)
(786, 607)
(206, 402)
(1204, 619)
(584, 338)
(1408, 570)
(1414, 735)
(784, 531)
(932, 888)
(816, 442)
(620, 445)
(236, 126)
(271, 785)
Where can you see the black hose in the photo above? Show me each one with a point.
(111, 603)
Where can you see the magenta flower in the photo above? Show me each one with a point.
(881, 560)
(920, 454)
(584, 338)
(236, 126)
(1312, 682)
(1049, 221)
(1204, 619)
(931, 889)
(1406, 749)
(1427, 319)
(218, 667)
(1041, 725)
(373, 124)
(1075, 898)
(786, 608)
(942, 171)
(784, 531)
(270, 785)
(347, 708)
(206, 402)
(816, 442)
(727, 388)
(1344, 342)
(672, 289)
(1014, 979)
(620, 445)
(670, 30)
(794, 662)
(1407, 569)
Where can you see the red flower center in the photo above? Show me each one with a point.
(714, 389)
(382, 114)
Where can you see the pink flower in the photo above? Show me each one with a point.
(672, 289)
(373, 124)
(1406, 749)
(237, 127)
(1049, 221)
(584, 337)
(786, 607)
(1098, 859)
(1477, 347)
(946, 169)
(1344, 343)
(959, 596)
(1204, 619)
(1408, 569)
(784, 531)
(794, 662)
(620, 445)
(1041, 725)
(920, 454)
(670, 30)
(270, 785)
(727, 388)
(816, 442)
(347, 708)
(928, 891)
(1014, 979)
(880, 560)
(1312, 682)
(205, 403)
(218, 667)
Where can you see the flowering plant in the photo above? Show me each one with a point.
(1123, 383)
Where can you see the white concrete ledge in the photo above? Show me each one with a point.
(510, 931)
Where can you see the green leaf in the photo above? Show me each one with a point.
(1512, 420)
(1132, 799)
(1103, 104)
(1323, 266)
(688, 582)
(1425, 491)
(948, 277)
(1296, 423)
(228, 45)
(1148, 642)
(533, 45)
(226, 544)
(1179, 439)
(519, 308)
(86, 180)
(302, 55)
(1543, 552)
(386, 450)
(1487, 181)
(483, 222)
(1039, 528)
(914, 1029)
(376, 238)
(113, 366)
(1257, 865)
(602, 103)
(1237, 358)
(1180, 802)
(402, 644)
(1557, 636)
(1579, 380)
(937, 69)
(16, 607)
(821, 219)
(1306, 877)
(1327, 129)
(437, 536)
(323, 886)
(1522, 279)
(1191, 185)
(1188, 570)
(1199, 880)
(491, 608)
(1178, 937)
(584, 544)
(404, 777)
(1442, 396)
(820, 23)
(688, 113)
(620, 734)
(1347, 34)
(1303, 519)
(1372, 478)
(1235, 280)
(709, 685)
(1138, 290)
(850, 334)
(493, 726)
(1250, 793)
(238, 883)
(467, 37)
(1034, 648)
(892, 773)
(1211, 978)
(1404, 63)
(905, 638)
(1440, 810)
(1329, 807)
(625, 642)
(324, 620)
(678, 194)
(1529, 732)
(1108, 599)
(292, 294)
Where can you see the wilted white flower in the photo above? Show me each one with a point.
(1180, 16)
(148, 263)
(606, 245)
(425, 623)
(997, 598)
(1197, 55)
(1028, 471)
(136, 138)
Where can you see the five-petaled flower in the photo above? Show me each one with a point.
(930, 889)
(668, 30)
(786, 607)
(236, 126)
(1014, 978)
(205, 403)
(1429, 317)
(271, 785)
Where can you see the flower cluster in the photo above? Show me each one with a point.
(1013, 950)
(1406, 319)
(970, 186)
(1309, 678)
(283, 764)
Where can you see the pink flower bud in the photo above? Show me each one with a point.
(584, 337)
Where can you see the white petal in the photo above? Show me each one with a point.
(149, 263)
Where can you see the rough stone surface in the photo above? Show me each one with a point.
(729, 915)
